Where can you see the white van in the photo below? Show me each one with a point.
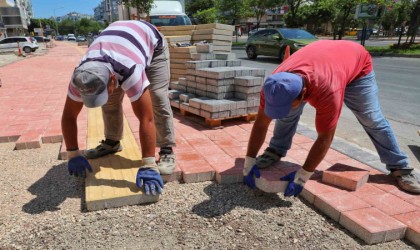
(168, 13)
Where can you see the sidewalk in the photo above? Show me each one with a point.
(32, 98)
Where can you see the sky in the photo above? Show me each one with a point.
(45, 8)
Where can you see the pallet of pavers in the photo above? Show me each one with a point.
(179, 56)
(181, 30)
(218, 90)
(220, 35)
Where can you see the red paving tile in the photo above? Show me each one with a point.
(412, 220)
(372, 225)
(345, 176)
(203, 153)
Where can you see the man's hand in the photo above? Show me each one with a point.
(250, 172)
(77, 164)
(148, 176)
(296, 181)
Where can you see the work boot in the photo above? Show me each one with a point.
(268, 158)
(407, 179)
(106, 147)
(166, 164)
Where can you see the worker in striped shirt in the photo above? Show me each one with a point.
(132, 58)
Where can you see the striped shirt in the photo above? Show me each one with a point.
(127, 47)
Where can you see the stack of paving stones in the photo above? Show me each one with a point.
(217, 89)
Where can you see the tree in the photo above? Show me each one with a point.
(291, 17)
(258, 8)
(142, 6)
(230, 11)
(194, 6)
(206, 16)
(317, 14)
(414, 22)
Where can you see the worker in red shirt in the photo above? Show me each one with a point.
(324, 74)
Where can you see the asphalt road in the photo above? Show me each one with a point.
(399, 95)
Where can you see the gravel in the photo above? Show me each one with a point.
(42, 207)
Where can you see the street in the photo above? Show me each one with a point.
(399, 96)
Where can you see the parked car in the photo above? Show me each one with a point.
(41, 39)
(25, 42)
(81, 39)
(71, 37)
(59, 38)
(252, 32)
(273, 42)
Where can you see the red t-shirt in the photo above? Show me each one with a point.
(327, 66)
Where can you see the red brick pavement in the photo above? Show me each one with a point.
(32, 98)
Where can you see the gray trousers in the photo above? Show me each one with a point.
(158, 74)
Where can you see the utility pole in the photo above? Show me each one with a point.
(55, 19)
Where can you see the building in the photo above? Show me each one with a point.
(106, 11)
(74, 16)
(15, 16)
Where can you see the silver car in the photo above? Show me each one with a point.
(25, 43)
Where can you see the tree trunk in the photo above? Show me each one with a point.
(343, 23)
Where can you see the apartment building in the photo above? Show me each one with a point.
(15, 16)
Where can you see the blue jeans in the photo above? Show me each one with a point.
(361, 97)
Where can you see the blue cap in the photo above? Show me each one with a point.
(280, 90)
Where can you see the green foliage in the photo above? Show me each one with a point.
(258, 8)
(142, 6)
(206, 16)
(193, 7)
(230, 11)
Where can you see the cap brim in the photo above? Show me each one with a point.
(94, 101)
(277, 112)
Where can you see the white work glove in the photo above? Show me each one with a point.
(296, 181)
(250, 172)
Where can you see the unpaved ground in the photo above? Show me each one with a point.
(42, 208)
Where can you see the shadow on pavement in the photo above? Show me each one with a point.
(225, 197)
(53, 189)
(416, 151)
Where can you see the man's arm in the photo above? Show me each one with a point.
(69, 122)
(144, 111)
(258, 133)
(319, 150)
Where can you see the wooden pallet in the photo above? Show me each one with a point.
(218, 122)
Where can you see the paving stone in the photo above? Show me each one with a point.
(197, 101)
(185, 97)
(220, 89)
(197, 64)
(174, 94)
(336, 202)
(412, 220)
(249, 81)
(182, 81)
(372, 225)
(220, 82)
(219, 96)
(387, 204)
(345, 176)
(175, 103)
(233, 63)
(248, 90)
(200, 79)
(204, 48)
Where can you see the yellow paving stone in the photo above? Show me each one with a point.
(113, 180)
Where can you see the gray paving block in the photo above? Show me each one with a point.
(219, 96)
(204, 48)
(191, 72)
(210, 115)
(239, 103)
(175, 103)
(249, 81)
(201, 86)
(176, 86)
(233, 63)
(186, 97)
(238, 112)
(203, 56)
(220, 82)
(244, 96)
(200, 92)
(252, 110)
(182, 81)
(248, 90)
(191, 90)
(220, 73)
(217, 63)
(193, 110)
(197, 64)
(212, 105)
(200, 79)
(253, 102)
(190, 77)
(225, 56)
(174, 94)
(191, 84)
(220, 89)
(197, 101)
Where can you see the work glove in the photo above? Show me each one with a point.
(148, 176)
(297, 180)
(250, 172)
(77, 164)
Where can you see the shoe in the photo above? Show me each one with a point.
(166, 164)
(407, 179)
(102, 150)
(268, 158)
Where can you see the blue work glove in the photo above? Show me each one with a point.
(250, 172)
(149, 177)
(296, 181)
(77, 164)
